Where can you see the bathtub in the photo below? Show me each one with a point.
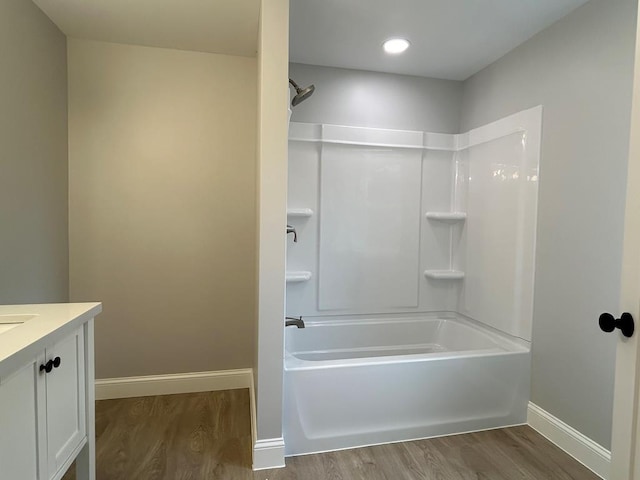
(365, 381)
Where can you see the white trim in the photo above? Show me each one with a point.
(592, 455)
(529, 121)
(439, 141)
(372, 136)
(525, 121)
(252, 404)
(127, 387)
(305, 132)
(268, 453)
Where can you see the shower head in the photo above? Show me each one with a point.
(301, 93)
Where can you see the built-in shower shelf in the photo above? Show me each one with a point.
(299, 212)
(447, 216)
(444, 274)
(297, 277)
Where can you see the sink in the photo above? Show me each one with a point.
(7, 322)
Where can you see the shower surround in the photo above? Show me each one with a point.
(433, 237)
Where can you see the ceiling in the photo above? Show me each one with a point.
(217, 26)
(450, 39)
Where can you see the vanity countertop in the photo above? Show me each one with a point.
(43, 325)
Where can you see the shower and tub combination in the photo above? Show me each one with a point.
(414, 274)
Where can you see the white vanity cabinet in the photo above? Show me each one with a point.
(65, 394)
(22, 426)
(47, 401)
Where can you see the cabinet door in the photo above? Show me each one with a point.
(66, 416)
(22, 428)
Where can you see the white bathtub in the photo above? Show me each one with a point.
(365, 381)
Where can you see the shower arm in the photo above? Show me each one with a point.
(294, 85)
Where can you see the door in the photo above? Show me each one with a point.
(21, 402)
(66, 422)
(625, 447)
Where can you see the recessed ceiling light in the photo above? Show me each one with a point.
(396, 45)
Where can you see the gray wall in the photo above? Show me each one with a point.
(581, 70)
(377, 100)
(162, 172)
(33, 157)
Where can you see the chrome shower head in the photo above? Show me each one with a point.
(301, 93)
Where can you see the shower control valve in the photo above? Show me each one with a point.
(291, 229)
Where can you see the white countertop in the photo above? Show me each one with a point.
(50, 322)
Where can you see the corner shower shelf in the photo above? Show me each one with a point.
(447, 216)
(297, 277)
(299, 212)
(444, 274)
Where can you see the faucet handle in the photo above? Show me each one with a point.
(291, 229)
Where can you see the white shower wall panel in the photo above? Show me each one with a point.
(310, 145)
(370, 247)
(303, 192)
(493, 282)
(499, 172)
(435, 236)
(370, 218)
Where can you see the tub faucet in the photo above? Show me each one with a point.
(291, 229)
(292, 321)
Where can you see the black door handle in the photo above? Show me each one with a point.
(608, 323)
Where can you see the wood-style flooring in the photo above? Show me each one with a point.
(205, 436)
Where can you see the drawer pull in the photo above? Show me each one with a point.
(47, 367)
(51, 364)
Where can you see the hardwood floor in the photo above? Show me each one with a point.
(206, 436)
(177, 437)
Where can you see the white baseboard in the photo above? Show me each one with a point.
(268, 454)
(592, 455)
(127, 387)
